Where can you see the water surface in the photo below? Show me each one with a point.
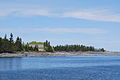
(61, 68)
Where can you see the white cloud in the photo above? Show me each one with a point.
(58, 30)
(97, 15)
(73, 30)
(86, 14)
(24, 12)
(5, 12)
(32, 12)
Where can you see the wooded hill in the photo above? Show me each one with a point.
(8, 45)
(75, 48)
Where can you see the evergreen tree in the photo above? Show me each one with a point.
(11, 38)
(0, 45)
(5, 36)
(72, 48)
(26, 47)
(18, 44)
(8, 45)
(103, 50)
(48, 47)
(35, 49)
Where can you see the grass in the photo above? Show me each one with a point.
(34, 42)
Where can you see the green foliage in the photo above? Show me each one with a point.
(71, 48)
(103, 50)
(34, 42)
(29, 48)
(48, 47)
(18, 44)
(35, 49)
(9, 46)
(11, 38)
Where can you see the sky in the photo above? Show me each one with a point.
(87, 22)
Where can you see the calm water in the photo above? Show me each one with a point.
(106, 54)
(61, 68)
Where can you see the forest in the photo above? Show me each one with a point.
(9, 45)
(75, 48)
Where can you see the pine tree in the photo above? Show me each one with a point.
(0, 45)
(5, 36)
(18, 44)
(11, 38)
(48, 47)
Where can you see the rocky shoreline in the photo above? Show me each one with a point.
(36, 54)
(55, 54)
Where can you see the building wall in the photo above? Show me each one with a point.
(40, 47)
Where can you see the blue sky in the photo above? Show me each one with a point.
(87, 22)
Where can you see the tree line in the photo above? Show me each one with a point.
(8, 45)
(71, 48)
(48, 47)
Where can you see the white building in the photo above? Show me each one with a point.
(38, 45)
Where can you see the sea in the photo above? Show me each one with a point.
(61, 68)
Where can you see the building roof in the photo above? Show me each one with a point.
(36, 43)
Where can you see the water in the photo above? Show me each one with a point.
(61, 68)
(108, 54)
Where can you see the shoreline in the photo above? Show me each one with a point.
(54, 54)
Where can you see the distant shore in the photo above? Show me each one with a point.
(55, 54)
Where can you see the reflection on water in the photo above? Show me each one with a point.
(61, 68)
(56, 62)
(10, 63)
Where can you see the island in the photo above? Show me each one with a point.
(17, 48)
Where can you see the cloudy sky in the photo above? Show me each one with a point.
(88, 22)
